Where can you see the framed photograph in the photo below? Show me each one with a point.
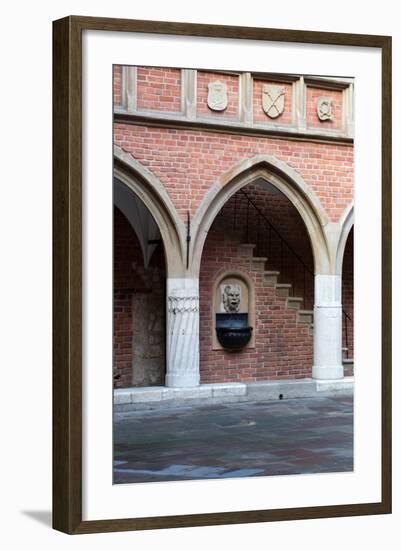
(222, 275)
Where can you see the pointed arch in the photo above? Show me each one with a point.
(346, 222)
(286, 180)
(152, 193)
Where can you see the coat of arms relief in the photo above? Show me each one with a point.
(217, 98)
(325, 108)
(273, 100)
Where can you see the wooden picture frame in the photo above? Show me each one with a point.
(67, 274)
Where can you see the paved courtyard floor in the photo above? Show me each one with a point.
(295, 436)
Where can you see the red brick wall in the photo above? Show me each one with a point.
(131, 278)
(232, 82)
(348, 292)
(117, 75)
(188, 162)
(312, 119)
(283, 347)
(258, 113)
(158, 89)
(250, 225)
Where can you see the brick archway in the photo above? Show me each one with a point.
(151, 192)
(346, 223)
(286, 180)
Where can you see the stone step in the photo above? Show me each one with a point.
(283, 289)
(271, 277)
(293, 302)
(259, 262)
(348, 365)
(246, 249)
(163, 398)
(305, 316)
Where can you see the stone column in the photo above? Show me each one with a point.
(182, 333)
(327, 328)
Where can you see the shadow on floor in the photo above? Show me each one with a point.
(40, 516)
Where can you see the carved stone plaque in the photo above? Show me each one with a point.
(217, 98)
(325, 108)
(273, 100)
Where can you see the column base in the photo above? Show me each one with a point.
(182, 380)
(332, 372)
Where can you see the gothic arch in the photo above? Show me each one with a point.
(286, 180)
(346, 223)
(153, 194)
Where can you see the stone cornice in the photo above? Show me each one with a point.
(177, 121)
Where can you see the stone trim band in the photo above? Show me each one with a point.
(183, 304)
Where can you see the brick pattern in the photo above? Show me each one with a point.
(188, 162)
(117, 77)
(259, 114)
(348, 292)
(283, 347)
(232, 82)
(130, 280)
(158, 89)
(312, 119)
(280, 242)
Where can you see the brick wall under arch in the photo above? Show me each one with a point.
(348, 294)
(139, 355)
(283, 345)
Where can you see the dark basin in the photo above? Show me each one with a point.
(234, 337)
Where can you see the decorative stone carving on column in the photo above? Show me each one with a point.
(217, 98)
(182, 338)
(183, 304)
(325, 108)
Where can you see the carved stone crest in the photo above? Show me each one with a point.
(231, 295)
(273, 100)
(325, 108)
(217, 98)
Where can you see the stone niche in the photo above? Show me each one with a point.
(233, 307)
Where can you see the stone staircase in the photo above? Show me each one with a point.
(283, 290)
(304, 316)
(348, 364)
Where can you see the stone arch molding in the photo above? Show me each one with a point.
(345, 225)
(286, 180)
(153, 194)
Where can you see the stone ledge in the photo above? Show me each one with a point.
(159, 397)
(335, 386)
(287, 389)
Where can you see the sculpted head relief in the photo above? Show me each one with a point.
(231, 298)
